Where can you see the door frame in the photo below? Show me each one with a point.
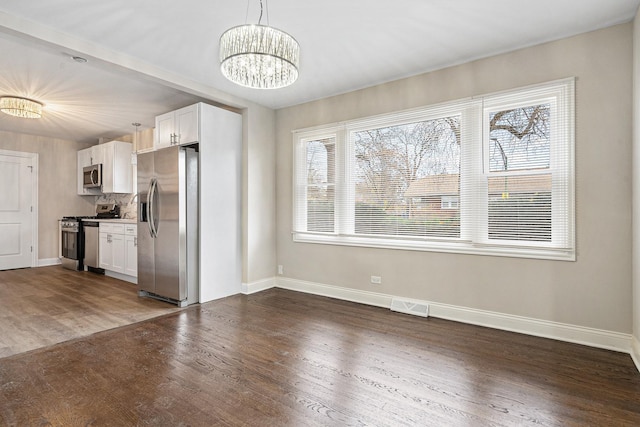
(34, 199)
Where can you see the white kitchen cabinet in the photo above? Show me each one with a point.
(116, 167)
(115, 157)
(164, 134)
(105, 251)
(177, 127)
(131, 249)
(220, 151)
(112, 247)
(88, 157)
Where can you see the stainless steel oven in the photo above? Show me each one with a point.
(71, 243)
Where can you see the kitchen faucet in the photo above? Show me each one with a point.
(131, 200)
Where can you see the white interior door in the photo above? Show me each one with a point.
(16, 217)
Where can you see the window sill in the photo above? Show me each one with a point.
(448, 246)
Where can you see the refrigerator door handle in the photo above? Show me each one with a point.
(146, 206)
(151, 196)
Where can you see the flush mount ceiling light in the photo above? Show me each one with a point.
(21, 107)
(259, 56)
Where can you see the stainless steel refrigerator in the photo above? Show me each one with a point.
(168, 225)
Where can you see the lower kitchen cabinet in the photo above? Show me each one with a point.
(112, 247)
(131, 250)
(119, 248)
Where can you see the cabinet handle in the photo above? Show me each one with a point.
(135, 242)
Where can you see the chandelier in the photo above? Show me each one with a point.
(259, 56)
(21, 107)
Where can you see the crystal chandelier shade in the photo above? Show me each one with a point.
(21, 107)
(259, 56)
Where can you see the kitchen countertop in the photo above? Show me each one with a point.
(116, 220)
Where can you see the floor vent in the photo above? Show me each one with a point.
(409, 307)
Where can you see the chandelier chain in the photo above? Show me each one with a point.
(246, 15)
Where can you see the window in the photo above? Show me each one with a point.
(450, 202)
(491, 175)
(394, 164)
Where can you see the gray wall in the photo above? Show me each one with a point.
(259, 195)
(57, 184)
(636, 190)
(594, 291)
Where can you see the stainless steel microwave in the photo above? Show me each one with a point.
(92, 176)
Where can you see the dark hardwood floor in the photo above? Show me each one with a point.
(281, 358)
(44, 306)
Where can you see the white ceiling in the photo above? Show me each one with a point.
(150, 56)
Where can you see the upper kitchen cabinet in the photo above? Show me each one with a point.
(116, 168)
(178, 127)
(115, 158)
(89, 157)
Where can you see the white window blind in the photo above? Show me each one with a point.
(490, 175)
(401, 172)
(315, 184)
(527, 179)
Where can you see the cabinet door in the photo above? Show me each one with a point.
(107, 156)
(97, 154)
(117, 253)
(105, 253)
(186, 125)
(84, 159)
(131, 255)
(116, 167)
(123, 168)
(164, 131)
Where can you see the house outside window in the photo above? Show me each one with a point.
(490, 175)
(450, 202)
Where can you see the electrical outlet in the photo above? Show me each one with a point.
(376, 280)
(280, 269)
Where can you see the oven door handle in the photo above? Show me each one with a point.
(151, 200)
(65, 243)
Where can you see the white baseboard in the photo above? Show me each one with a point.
(347, 294)
(44, 262)
(635, 351)
(258, 286)
(542, 328)
(609, 340)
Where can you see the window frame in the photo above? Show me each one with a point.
(474, 173)
(300, 174)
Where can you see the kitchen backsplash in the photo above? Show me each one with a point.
(128, 204)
